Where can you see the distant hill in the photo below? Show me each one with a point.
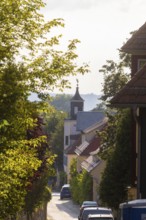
(90, 100)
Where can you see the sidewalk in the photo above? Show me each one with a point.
(49, 218)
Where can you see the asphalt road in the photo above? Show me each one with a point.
(62, 209)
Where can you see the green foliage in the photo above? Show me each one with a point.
(86, 186)
(108, 137)
(55, 131)
(15, 168)
(116, 177)
(74, 181)
(100, 107)
(63, 178)
(115, 76)
(26, 39)
(115, 139)
(29, 62)
(61, 102)
(81, 184)
(39, 194)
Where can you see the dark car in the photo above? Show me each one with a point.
(65, 192)
(87, 204)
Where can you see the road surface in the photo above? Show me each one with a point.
(62, 209)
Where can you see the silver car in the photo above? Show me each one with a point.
(94, 210)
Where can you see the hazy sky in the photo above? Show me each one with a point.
(102, 26)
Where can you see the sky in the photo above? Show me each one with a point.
(102, 26)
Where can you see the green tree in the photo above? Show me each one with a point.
(116, 176)
(61, 102)
(75, 181)
(115, 138)
(86, 186)
(38, 192)
(28, 63)
(108, 137)
(81, 184)
(55, 131)
(116, 74)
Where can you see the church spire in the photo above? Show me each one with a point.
(77, 103)
(77, 96)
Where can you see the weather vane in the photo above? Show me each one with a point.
(77, 82)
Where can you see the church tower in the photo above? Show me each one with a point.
(76, 104)
(70, 131)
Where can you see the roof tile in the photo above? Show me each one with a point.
(137, 43)
(134, 92)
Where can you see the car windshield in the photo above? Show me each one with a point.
(65, 189)
(86, 212)
(100, 218)
(89, 203)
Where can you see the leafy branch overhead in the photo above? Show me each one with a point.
(26, 39)
(116, 74)
(30, 61)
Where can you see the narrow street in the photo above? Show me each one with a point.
(61, 209)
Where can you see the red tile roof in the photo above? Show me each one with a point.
(94, 145)
(134, 92)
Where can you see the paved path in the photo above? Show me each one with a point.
(62, 209)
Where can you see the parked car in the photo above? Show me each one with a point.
(65, 192)
(100, 217)
(94, 210)
(87, 204)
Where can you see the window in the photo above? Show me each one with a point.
(66, 140)
(141, 63)
(75, 109)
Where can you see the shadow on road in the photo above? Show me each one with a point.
(69, 207)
